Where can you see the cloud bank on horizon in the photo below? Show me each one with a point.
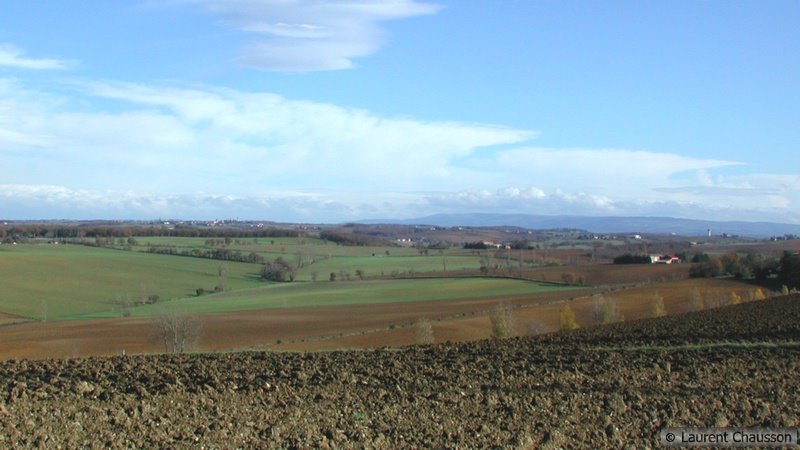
(84, 146)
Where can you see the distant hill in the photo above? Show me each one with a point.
(655, 225)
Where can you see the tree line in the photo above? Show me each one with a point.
(223, 254)
(785, 269)
(83, 231)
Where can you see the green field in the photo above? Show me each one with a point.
(283, 246)
(57, 281)
(384, 266)
(328, 257)
(301, 294)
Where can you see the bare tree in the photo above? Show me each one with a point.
(177, 330)
(605, 310)
(696, 301)
(146, 290)
(657, 308)
(123, 304)
(43, 310)
(424, 331)
(222, 273)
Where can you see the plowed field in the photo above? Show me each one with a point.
(604, 387)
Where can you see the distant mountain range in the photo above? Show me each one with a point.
(653, 225)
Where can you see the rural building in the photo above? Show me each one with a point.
(664, 259)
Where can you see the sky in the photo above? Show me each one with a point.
(332, 111)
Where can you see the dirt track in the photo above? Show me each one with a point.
(594, 388)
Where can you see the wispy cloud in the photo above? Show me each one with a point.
(311, 35)
(147, 150)
(12, 56)
(176, 139)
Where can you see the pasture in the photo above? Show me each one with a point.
(54, 282)
(322, 294)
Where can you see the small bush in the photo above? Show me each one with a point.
(502, 322)
(567, 319)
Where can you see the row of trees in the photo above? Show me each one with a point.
(350, 239)
(222, 254)
(90, 231)
(628, 258)
(785, 269)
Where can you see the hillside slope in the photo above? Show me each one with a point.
(593, 388)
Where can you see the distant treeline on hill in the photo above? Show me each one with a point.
(60, 232)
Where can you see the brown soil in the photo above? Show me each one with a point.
(325, 328)
(604, 387)
(532, 318)
(608, 274)
(233, 331)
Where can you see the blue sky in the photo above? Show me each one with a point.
(327, 111)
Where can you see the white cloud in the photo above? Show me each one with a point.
(612, 171)
(311, 35)
(143, 150)
(12, 56)
(175, 139)
(558, 202)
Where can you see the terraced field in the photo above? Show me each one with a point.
(604, 387)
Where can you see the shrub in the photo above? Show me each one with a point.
(502, 322)
(567, 319)
(278, 270)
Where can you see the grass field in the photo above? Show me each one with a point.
(283, 246)
(53, 282)
(329, 257)
(301, 294)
